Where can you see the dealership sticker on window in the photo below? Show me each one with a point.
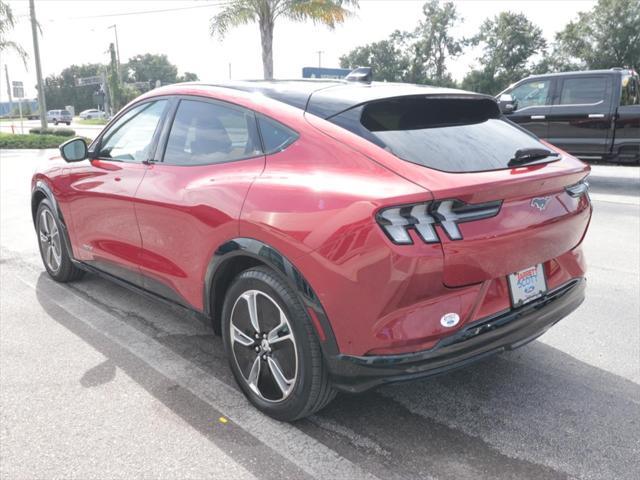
(527, 285)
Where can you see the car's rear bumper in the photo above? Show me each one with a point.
(504, 331)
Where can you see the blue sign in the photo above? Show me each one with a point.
(329, 73)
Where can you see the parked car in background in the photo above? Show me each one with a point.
(59, 116)
(92, 113)
(591, 114)
(339, 235)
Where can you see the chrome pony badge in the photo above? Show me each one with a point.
(540, 202)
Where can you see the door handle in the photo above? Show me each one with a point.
(596, 115)
(538, 117)
(117, 179)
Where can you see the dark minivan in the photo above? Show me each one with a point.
(594, 115)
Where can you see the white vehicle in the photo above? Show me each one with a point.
(91, 113)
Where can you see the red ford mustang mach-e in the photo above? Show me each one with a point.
(339, 235)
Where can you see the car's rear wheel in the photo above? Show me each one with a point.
(53, 250)
(55, 122)
(272, 347)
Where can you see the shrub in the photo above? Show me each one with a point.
(61, 132)
(8, 140)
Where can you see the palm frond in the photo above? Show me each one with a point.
(326, 12)
(16, 47)
(239, 12)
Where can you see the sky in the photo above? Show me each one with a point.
(77, 31)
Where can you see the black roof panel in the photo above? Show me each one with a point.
(328, 98)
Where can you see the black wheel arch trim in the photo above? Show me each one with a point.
(260, 251)
(42, 188)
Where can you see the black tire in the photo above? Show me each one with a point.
(311, 388)
(62, 269)
(68, 123)
(55, 122)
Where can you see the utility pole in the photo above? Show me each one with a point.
(115, 29)
(42, 101)
(319, 52)
(229, 70)
(6, 72)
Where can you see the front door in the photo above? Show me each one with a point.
(532, 100)
(106, 233)
(189, 202)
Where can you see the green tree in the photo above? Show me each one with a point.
(431, 44)
(188, 77)
(150, 68)
(418, 56)
(7, 23)
(266, 12)
(510, 43)
(61, 90)
(604, 37)
(384, 57)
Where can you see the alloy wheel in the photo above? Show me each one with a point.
(263, 346)
(50, 241)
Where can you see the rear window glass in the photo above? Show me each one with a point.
(452, 135)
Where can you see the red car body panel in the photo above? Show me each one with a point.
(315, 203)
(184, 214)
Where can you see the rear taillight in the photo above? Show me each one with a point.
(423, 217)
(578, 189)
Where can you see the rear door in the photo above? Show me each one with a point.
(581, 117)
(189, 202)
(533, 99)
(105, 232)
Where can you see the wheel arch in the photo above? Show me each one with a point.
(239, 254)
(42, 191)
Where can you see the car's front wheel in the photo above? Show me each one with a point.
(53, 250)
(272, 348)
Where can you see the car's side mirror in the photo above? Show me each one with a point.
(74, 150)
(507, 103)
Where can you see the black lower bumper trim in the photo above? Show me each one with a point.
(504, 331)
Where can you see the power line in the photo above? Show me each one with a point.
(143, 12)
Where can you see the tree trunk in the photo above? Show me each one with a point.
(266, 37)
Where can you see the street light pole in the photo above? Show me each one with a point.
(42, 101)
(319, 52)
(115, 30)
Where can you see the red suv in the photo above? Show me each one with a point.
(338, 235)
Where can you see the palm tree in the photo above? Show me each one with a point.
(266, 12)
(7, 22)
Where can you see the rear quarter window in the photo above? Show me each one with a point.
(452, 135)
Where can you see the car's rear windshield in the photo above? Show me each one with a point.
(464, 134)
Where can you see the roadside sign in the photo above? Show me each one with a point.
(18, 89)
(96, 80)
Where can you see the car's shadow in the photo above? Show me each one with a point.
(533, 413)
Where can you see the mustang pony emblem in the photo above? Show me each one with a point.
(540, 202)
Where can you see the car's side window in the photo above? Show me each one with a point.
(532, 94)
(629, 94)
(583, 90)
(206, 132)
(130, 138)
(275, 136)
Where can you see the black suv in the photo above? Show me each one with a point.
(592, 114)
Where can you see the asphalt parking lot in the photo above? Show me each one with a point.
(96, 382)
